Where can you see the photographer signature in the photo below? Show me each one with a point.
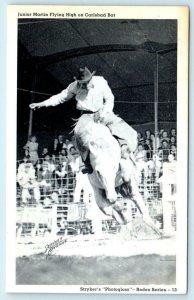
(50, 247)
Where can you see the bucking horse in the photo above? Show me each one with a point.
(107, 179)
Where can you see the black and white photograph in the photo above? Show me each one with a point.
(97, 164)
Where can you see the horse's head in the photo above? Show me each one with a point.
(105, 162)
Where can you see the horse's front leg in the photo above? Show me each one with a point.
(106, 208)
(112, 196)
(116, 207)
(107, 180)
(113, 208)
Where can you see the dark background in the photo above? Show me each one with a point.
(50, 53)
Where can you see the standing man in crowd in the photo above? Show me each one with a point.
(27, 180)
(93, 95)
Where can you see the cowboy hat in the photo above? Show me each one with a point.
(84, 75)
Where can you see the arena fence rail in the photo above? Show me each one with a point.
(55, 200)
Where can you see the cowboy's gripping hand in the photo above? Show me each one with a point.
(35, 105)
(97, 117)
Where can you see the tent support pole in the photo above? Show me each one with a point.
(156, 101)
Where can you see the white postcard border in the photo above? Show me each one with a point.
(121, 12)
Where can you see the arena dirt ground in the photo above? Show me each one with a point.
(120, 259)
(102, 270)
(91, 261)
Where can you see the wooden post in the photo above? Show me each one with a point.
(168, 180)
(54, 227)
(31, 101)
(167, 209)
(30, 123)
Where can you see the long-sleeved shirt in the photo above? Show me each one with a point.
(26, 176)
(97, 96)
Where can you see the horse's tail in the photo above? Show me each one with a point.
(74, 124)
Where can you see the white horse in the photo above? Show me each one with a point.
(107, 179)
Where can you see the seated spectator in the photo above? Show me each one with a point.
(147, 135)
(173, 140)
(57, 165)
(73, 151)
(45, 174)
(173, 151)
(173, 132)
(45, 152)
(67, 141)
(164, 151)
(59, 144)
(154, 167)
(164, 137)
(152, 138)
(61, 174)
(141, 158)
(160, 133)
(54, 197)
(148, 148)
(74, 160)
(140, 154)
(64, 152)
(39, 170)
(73, 140)
(140, 138)
(27, 181)
(53, 158)
(31, 149)
(61, 157)
(63, 170)
(22, 165)
(53, 147)
(50, 164)
(69, 146)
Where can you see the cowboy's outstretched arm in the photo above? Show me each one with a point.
(64, 96)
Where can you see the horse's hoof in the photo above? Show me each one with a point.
(87, 170)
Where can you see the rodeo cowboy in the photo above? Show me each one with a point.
(94, 96)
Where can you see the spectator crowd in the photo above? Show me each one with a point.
(153, 151)
(52, 175)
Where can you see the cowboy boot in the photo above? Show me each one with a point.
(86, 168)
